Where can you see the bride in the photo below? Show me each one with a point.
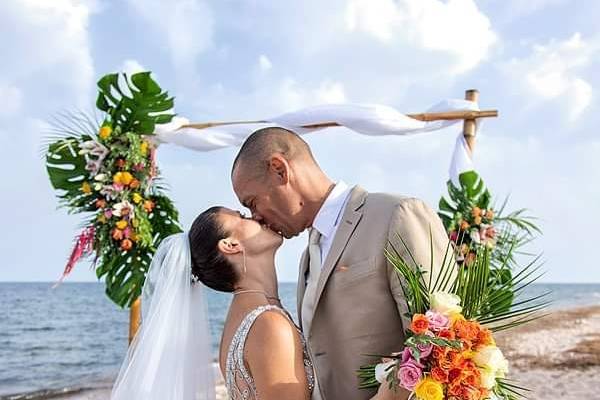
(262, 352)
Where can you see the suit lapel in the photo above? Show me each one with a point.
(348, 223)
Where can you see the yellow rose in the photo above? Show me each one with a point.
(137, 198)
(117, 178)
(105, 132)
(86, 188)
(122, 224)
(429, 389)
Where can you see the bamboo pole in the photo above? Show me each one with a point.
(134, 318)
(450, 115)
(469, 125)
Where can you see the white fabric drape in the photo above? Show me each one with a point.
(366, 119)
(170, 357)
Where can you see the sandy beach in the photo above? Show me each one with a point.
(557, 357)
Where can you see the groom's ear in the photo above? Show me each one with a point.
(279, 167)
(229, 246)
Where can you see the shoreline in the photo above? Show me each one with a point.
(557, 356)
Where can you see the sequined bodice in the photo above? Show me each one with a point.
(240, 383)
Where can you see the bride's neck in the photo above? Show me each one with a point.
(260, 276)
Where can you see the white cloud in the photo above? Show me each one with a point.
(456, 27)
(185, 27)
(12, 99)
(554, 71)
(264, 63)
(294, 96)
(131, 67)
(48, 41)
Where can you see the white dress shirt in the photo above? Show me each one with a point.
(329, 216)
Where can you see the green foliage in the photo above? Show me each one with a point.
(82, 165)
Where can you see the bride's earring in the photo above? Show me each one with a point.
(244, 256)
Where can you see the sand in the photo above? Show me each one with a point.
(557, 357)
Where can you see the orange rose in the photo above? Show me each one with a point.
(485, 337)
(468, 330)
(470, 393)
(439, 375)
(419, 324)
(100, 203)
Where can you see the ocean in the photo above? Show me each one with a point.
(74, 337)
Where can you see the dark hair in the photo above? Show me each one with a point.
(209, 265)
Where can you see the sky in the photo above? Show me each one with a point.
(532, 60)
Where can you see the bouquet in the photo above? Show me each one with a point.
(107, 172)
(450, 351)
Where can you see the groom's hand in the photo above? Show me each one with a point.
(385, 393)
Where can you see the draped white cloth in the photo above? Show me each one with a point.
(170, 357)
(366, 119)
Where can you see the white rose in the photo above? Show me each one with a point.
(488, 378)
(491, 358)
(381, 372)
(445, 303)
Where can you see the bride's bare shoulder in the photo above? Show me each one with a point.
(271, 328)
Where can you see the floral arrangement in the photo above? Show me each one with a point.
(107, 171)
(473, 224)
(449, 349)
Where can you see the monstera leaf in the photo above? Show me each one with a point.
(66, 170)
(136, 104)
(471, 193)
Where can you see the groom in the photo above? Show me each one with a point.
(350, 302)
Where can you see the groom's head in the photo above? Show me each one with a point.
(276, 176)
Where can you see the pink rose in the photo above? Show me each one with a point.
(425, 350)
(409, 374)
(437, 321)
(454, 236)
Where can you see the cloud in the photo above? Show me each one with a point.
(183, 27)
(12, 99)
(47, 41)
(456, 27)
(131, 67)
(264, 63)
(555, 72)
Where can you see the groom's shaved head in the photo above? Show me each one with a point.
(256, 151)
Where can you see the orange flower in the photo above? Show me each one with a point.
(447, 334)
(100, 203)
(464, 225)
(148, 206)
(120, 163)
(468, 330)
(105, 132)
(477, 220)
(485, 337)
(439, 375)
(134, 184)
(117, 234)
(126, 244)
(419, 324)
(476, 212)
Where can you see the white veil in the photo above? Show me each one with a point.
(170, 357)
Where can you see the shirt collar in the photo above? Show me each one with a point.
(331, 210)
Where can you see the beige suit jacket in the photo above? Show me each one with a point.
(359, 302)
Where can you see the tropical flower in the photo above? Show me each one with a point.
(137, 198)
(105, 132)
(122, 224)
(126, 244)
(123, 178)
(86, 188)
(148, 206)
(123, 209)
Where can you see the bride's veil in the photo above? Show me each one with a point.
(170, 357)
